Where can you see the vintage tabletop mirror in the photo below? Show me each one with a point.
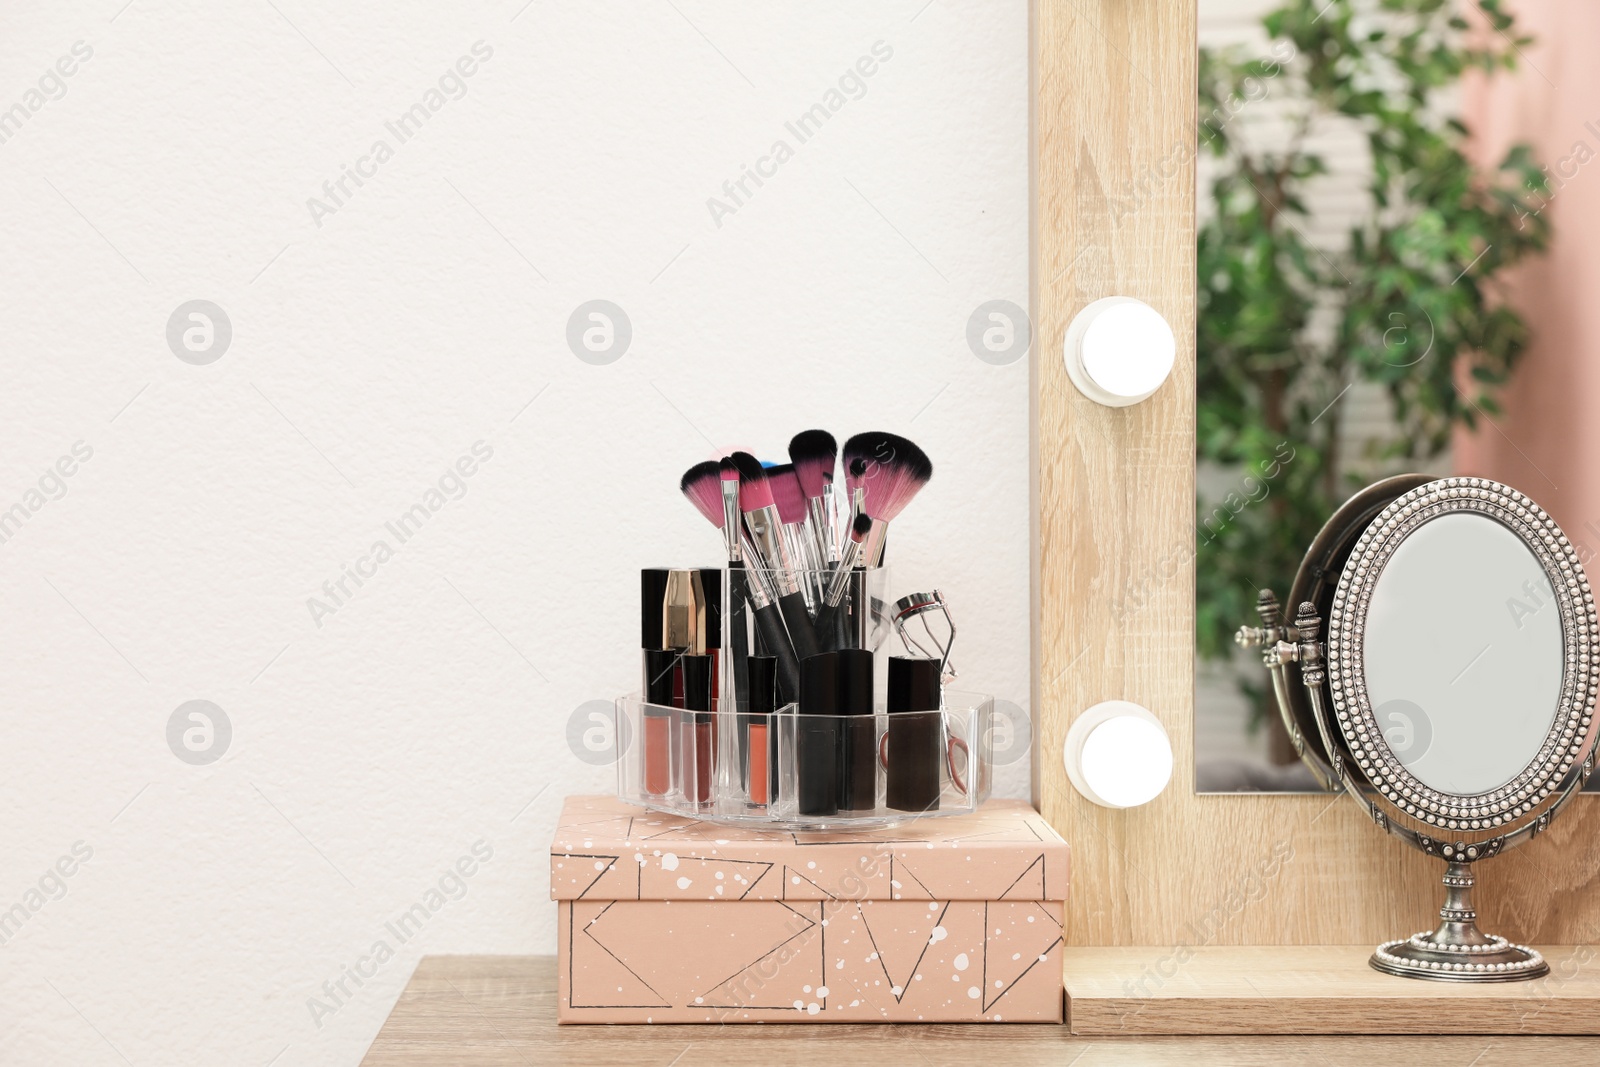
(1453, 696)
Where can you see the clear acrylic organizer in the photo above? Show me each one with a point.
(822, 772)
(818, 772)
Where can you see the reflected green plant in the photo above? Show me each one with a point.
(1411, 302)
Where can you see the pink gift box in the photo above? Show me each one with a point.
(667, 920)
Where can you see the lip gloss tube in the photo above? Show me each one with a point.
(915, 739)
(858, 762)
(761, 730)
(660, 668)
(816, 735)
(695, 743)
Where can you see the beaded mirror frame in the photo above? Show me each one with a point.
(1461, 829)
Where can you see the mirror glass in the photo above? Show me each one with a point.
(1464, 654)
(1395, 274)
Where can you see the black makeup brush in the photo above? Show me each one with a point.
(769, 625)
(763, 523)
(855, 472)
(814, 453)
(893, 471)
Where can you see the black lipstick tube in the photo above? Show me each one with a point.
(858, 755)
(816, 736)
(660, 676)
(916, 734)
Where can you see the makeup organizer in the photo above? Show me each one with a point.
(853, 738)
(771, 696)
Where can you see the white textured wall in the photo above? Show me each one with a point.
(423, 723)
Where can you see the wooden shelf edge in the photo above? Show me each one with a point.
(1322, 989)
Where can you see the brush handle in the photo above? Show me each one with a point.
(827, 627)
(739, 595)
(861, 608)
(770, 622)
(738, 592)
(798, 620)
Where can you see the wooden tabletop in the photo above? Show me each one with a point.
(500, 1011)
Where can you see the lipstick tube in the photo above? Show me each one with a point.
(696, 741)
(660, 668)
(915, 739)
(858, 758)
(816, 736)
(761, 732)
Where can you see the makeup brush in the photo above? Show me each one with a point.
(709, 489)
(814, 453)
(895, 472)
(730, 505)
(855, 472)
(769, 622)
(792, 512)
(702, 484)
(828, 613)
(762, 521)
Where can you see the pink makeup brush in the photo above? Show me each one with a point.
(702, 484)
(764, 524)
(892, 472)
(790, 499)
(730, 506)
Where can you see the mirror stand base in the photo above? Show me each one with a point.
(1458, 951)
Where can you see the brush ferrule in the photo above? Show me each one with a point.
(730, 519)
(872, 547)
(797, 539)
(766, 533)
(822, 534)
(840, 582)
(756, 578)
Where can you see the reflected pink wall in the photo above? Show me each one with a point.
(1548, 441)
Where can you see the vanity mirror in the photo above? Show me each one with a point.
(1453, 696)
(1394, 273)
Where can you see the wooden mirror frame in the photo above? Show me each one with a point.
(1114, 119)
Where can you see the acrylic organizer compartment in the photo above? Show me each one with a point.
(817, 772)
(787, 710)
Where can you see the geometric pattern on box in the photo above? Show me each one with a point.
(669, 920)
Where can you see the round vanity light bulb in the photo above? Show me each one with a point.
(1117, 755)
(1119, 350)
